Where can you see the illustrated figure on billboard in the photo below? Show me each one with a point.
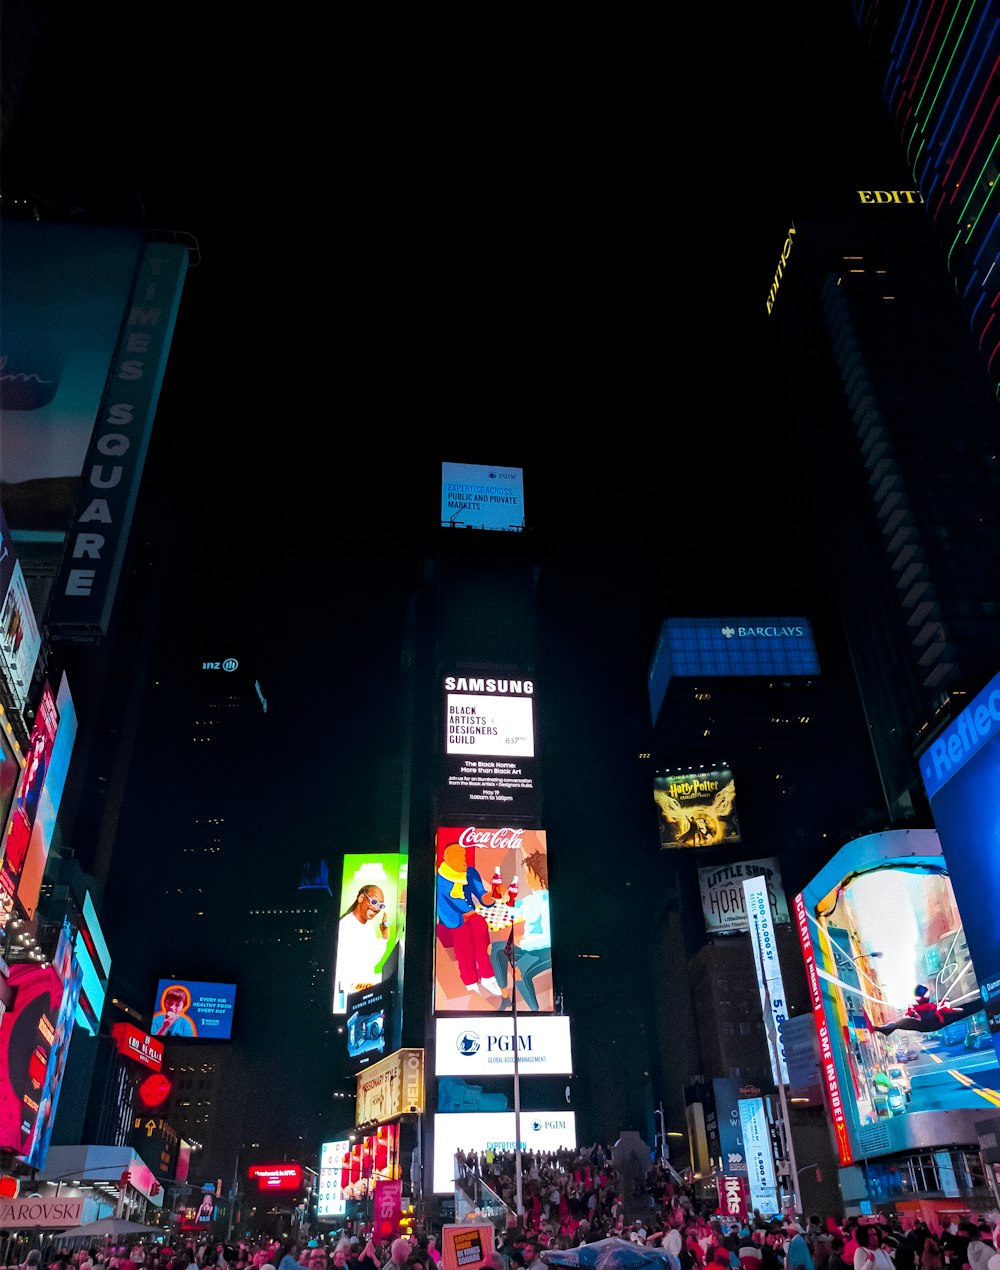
(172, 1019)
(925, 1015)
(361, 942)
(533, 951)
(459, 926)
(684, 825)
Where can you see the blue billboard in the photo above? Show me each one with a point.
(717, 646)
(188, 1009)
(961, 774)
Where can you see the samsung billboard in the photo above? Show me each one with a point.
(483, 1045)
(489, 745)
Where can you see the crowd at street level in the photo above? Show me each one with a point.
(576, 1197)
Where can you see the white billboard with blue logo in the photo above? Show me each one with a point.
(484, 1045)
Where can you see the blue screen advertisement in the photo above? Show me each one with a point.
(961, 773)
(192, 1010)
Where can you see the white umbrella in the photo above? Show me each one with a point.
(114, 1226)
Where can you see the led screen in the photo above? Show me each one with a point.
(334, 1175)
(546, 1131)
(492, 886)
(30, 883)
(369, 1022)
(961, 771)
(483, 1045)
(34, 1042)
(372, 903)
(29, 791)
(696, 809)
(476, 496)
(901, 1020)
(188, 1009)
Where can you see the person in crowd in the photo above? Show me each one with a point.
(980, 1247)
(797, 1252)
(399, 1254)
(289, 1256)
(872, 1253)
(836, 1260)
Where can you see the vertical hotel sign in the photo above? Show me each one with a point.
(827, 1064)
(82, 601)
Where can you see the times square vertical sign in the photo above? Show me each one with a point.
(490, 768)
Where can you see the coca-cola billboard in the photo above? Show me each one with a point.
(491, 905)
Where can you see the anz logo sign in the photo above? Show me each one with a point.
(230, 664)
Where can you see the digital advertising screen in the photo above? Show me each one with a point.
(961, 770)
(391, 1087)
(20, 638)
(34, 1042)
(334, 1176)
(483, 1045)
(546, 1131)
(896, 996)
(478, 496)
(489, 764)
(768, 969)
(761, 1178)
(491, 903)
(185, 1008)
(33, 870)
(372, 909)
(369, 1025)
(722, 901)
(17, 835)
(696, 809)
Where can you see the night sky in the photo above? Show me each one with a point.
(547, 247)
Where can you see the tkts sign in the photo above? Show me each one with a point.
(732, 1195)
(137, 1045)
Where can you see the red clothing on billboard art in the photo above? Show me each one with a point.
(471, 943)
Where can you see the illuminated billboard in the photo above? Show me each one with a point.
(896, 997)
(484, 1046)
(482, 1131)
(369, 1025)
(334, 1176)
(20, 639)
(489, 746)
(722, 901)
(760, 1161)
(390, 1088)
(34, 1043)
(133, 1043)
(276, 1177)
(21, 820)
(185, 1008)
(696, 809)
(492, 887)
(477, 496)
(95, 964)
(372, 907)
(729, 646)
(768, 971)
(961, 772)
(30, 882)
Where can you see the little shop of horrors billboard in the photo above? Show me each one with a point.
(722, 898)
(489, 760)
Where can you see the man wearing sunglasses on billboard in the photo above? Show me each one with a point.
(362, 942)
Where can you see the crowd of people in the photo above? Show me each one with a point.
(569, 1198)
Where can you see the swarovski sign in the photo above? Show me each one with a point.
(19, 1214)
(483, 1045)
